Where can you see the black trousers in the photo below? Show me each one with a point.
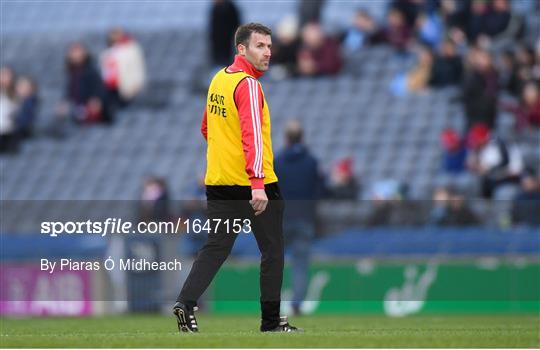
(232, 202)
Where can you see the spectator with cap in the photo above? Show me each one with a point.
(454, 152)
(301, 184)
(526, 205)
(454, 163)
(342, 183)
(493, 160)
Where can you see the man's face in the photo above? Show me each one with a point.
(258, 51)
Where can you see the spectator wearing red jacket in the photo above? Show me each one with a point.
(527, 112)
(318, 54)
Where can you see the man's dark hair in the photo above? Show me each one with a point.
(243, 33)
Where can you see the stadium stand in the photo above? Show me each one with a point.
(353, 114)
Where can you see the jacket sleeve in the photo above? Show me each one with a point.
(249, 100)
(204, 126)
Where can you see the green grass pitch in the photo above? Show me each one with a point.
(232, 331)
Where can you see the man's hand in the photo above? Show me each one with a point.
(258, 201)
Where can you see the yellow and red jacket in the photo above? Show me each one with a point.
(236, 125)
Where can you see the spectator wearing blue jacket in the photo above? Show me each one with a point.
(301, 185)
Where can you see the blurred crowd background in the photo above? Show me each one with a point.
(398, 100)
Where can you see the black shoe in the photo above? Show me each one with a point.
(185, 318)
(284, 326)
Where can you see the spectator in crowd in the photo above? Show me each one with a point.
(476, 25)
(360, 33)
(455, 15)
(8, 137)
(454, 152)
(27, 107)
(429, 29)
(447, 68)
(154, 205)
(285, 48)
(493, 160)
(527, 112)
(503, 26)
(396, 33)
(526, 206)
(310, 11)
(536, 65)
(454, 163)
(480, 89)
(497, 18)
(391, 206)
(318, 53)
(85, 93)
(301, 184)
(417, 79)
(506, 66)
(411, 9)
(224, 19)
(342, 183)
(521, 69)
(450, 209)
(122, 69)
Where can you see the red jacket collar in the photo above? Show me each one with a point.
(242, 64)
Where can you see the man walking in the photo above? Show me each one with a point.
(302, 186)
(240, 180)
